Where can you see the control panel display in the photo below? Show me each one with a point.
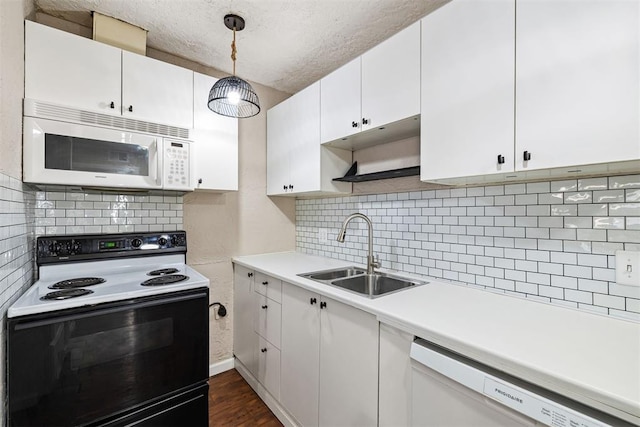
(111, 244)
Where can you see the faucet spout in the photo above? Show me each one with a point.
(371, 261)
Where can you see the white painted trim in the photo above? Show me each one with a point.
(271, 402)
(220, 367)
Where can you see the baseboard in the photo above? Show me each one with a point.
(271, 402)
(220, 367)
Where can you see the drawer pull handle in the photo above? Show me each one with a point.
(264, 307)
(265, 283)
(500, 159)
(526, 156)
(250, 274)
(264, 350)
(112, 105)
(312, 301)
(323, 305)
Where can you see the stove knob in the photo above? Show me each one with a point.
(74, 247)
(175, 241)
(55, 247)
(162, 241)
(136, 243)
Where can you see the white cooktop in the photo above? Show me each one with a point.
(123, 278)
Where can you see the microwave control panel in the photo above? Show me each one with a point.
(177, 167)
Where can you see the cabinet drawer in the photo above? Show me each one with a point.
(269, 367)
(268, 319)
(268, 286)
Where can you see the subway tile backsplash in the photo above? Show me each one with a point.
(547, 241)
(81, 213)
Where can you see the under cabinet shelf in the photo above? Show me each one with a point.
(351, 175)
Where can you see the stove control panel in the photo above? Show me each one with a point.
(52, 249)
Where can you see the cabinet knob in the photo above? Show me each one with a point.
(112, 105)
(284, 187)
(264, 350)
(265, 283)
(365, 121)
(130, 108)
(500, 159)
(249, 274)
(199, 180)
(312, 301)
(264, 307)
(290, 186)
(323, 304)
(354, 124)
(526, 156)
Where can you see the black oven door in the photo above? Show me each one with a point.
(95, 364)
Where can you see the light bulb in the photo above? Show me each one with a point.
(233, 97)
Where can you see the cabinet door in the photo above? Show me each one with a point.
(267, 319)
(215, 142)
(391, 79)
(467, 118)
(278, 131)
(340, 101)
(245, 342)
(304, 142)
(269, 367)
(70, 70)
(395, 377)
(577, 85)
(300, 351)
(348, 366)
(156, 91)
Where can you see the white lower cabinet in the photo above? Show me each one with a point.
(245, 340)
(394, 377)
(329, 353)
(269, 366)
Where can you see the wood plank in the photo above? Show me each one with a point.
(232, 402)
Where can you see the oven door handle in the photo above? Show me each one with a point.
(129, 304)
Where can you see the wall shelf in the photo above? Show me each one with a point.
(352, 176)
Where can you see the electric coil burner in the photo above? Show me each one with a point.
(79, 282)
(66, 294)
(162, 272)
(165, 280)
(98, 356)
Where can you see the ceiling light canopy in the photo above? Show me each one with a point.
(232, 96)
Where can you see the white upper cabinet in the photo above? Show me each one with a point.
(215, 140)
(577, 82)
(156, 91)
(467, 89)
(69, 70)
(380, 87)
(391, 79)
(340, 101)
(296, 162)
(72, 71)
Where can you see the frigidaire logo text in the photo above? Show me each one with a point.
(508, 395)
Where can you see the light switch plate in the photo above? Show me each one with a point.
(628, 268)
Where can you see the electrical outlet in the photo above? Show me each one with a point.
(323, 235)
(628, 268)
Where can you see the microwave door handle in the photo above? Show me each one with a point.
(154, 148)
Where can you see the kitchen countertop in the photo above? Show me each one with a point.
(591, 358)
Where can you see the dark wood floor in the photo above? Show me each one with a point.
(232, 402)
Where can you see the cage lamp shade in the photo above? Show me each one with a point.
(233, 97)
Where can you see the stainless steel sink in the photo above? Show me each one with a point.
(356, 280)
(334, 274)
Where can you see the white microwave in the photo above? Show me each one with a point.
(70, 154)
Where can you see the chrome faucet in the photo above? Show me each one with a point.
(371, 261)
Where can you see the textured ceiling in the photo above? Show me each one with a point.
(287, 44)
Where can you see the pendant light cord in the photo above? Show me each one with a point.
(233, 50)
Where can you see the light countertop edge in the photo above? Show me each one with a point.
(597, 364)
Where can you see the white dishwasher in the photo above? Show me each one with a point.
(451, 390)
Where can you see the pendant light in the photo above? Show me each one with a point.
(232, 96)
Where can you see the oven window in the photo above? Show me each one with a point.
(85, 365)
(91, 155)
